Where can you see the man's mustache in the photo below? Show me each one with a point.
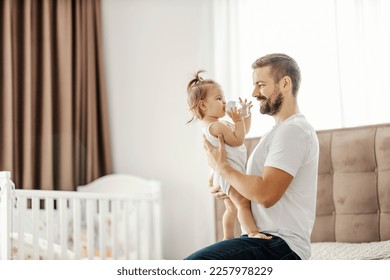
(261, 97)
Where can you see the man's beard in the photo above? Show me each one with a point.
(270, 107)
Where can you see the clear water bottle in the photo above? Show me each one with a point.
(242, 109)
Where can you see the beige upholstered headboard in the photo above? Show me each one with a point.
(353, 199)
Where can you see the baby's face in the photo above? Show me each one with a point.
(215, 102)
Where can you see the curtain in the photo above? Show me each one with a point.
(341, 47)
(53, 113)
(363, 43)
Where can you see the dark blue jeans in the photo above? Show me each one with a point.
(245, 248)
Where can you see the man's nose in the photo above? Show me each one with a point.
(255, 92)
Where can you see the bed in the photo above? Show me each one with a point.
(114, 217)
(353, 198)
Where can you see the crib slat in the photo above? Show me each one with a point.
(91, 211)
(114, 228)
(156, 221)
(127, 213)
(49, 206)
(35, 223)
(63, 227)
(144, 222)
(77, 228)
(148, 230)
(138, 226)
(21, 214)
(103, 227)
(141, 232)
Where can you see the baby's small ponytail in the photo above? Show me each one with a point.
(196, 80)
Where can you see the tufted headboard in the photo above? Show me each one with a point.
(353, 198)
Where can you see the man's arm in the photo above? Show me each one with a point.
(265, 190)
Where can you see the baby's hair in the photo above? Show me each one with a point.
(196, 91)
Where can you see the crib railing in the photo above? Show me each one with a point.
(77, 225)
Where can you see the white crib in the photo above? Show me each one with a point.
(114, 217)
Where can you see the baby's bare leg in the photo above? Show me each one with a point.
(244, 214)
(229, 219)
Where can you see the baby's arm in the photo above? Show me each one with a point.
(247, 120)
(234, 135)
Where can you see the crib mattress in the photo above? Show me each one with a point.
(351, 251)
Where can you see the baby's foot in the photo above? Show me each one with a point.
(259, 235)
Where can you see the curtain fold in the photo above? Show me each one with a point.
(54, 120)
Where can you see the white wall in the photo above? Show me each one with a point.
(151, 47)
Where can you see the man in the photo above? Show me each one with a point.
(281, 178)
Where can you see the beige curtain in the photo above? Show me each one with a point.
(53, 113)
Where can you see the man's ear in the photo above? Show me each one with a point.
(285, 83)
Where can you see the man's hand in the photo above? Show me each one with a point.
(216, 157)
(216, 190)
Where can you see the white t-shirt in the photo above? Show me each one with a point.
(292, 146)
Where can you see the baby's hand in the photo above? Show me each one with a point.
(235, 115)
(245, 107)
